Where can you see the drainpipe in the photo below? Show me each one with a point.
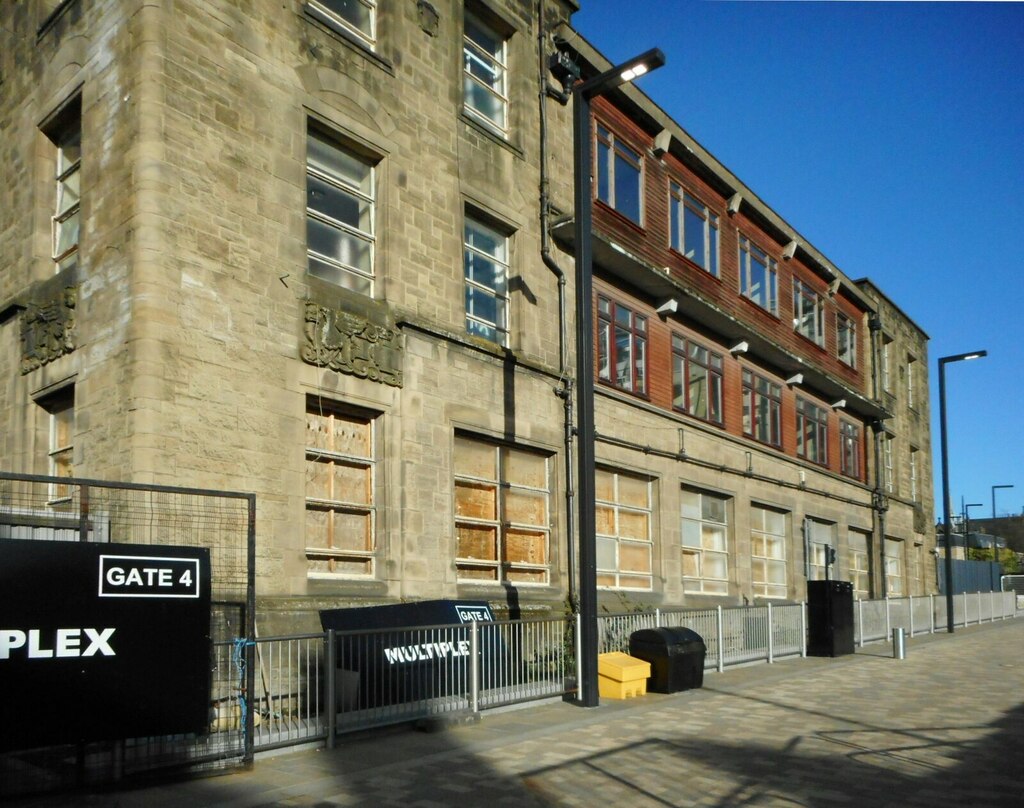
(564, 390)
(878, 499)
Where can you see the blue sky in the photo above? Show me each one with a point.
(891, 136)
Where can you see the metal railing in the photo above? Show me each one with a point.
(874, 620)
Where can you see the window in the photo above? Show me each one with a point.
(913, 474)
(860, 564)
(619, 175)
(67, 137)
(893, 560)
(705, 543)
(484, 73)
(485, 259)
(811, 432)
(808, 312)
(849, 448)
(887, 469)
(693, 229)
(762, 407)
(886, 364)
(758, 280)
(60, 407)
(624, 547)
(502, 526)
(622, 346)
(356, 17)
(846, 340)
(339, 214)
(820, 539)
(340, 490)
(911, 372)
(768, 552)
(696, 380)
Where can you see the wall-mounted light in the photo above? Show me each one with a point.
(734, 203)
(740, 347)
(789, 250)
(662, 142)
(796, 378)
(833, 287)
(667, 307)
(838, 405)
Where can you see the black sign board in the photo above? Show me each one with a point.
(102, 641)
(392, 667)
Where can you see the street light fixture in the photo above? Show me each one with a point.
(946, 527)
(967, 525)
(585, 486)
(995, 541)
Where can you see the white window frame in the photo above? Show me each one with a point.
(913, 473)
(68, 192)
(321, 10)
(821, 536)
(348, 275)
(808, 312)
(886, 364)
(616, 541)
(60, 409)
(889, 475)
(711, 545)
(332, 505)
(846, 340)
(606, 174)
(911, 373)
(501, 524)
(766, 293)
(892, 560)
(860, 563)
(495, 63)
(759, 531)
(472, 256)
(681, 202)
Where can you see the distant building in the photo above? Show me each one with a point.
(321, 251)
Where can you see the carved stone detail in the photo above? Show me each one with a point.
(351, 344)
(47, 329)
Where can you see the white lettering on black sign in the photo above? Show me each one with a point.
(427, 650)
(467, 614)
(148, 577)
(64, 642)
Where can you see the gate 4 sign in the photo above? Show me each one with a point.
(102, 641)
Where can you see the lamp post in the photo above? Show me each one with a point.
(967, 525)
(995, 541)
(946, 527)
(585, 487)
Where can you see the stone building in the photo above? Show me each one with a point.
(320, 250)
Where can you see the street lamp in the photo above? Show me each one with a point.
(995, 541)
(946, 527)
(967, 525)
(585, 494)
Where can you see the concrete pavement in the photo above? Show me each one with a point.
(943, 727)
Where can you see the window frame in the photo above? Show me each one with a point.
(474, 52)
(817, 546)
(319, 406)
(888, 469)
(860, 562)
(701, 583)
(757, 388)
(850, 449)
(913, 469)
(886, 364)
(682, 202)
(759, 531)
(617, 509)
(607, 176)
(894, 567)
(811, 417)
(500, 292)
(808, 312)
(770, 301)
(66, 136)
(501, 524)
(350, 276)
(683, 360)
(911, 385)
(846, 340)
(60, 441)
(608, 327)
(320, 11)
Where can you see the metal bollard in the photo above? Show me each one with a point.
(899, 645)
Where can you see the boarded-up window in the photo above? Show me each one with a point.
(340, 479)
(624, 548)
(860, 564)
(893, 561)
(502, 525)
(60, 449)
(705, 542)
(768, 552)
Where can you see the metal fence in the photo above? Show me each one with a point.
(875, 619)
(55, 509)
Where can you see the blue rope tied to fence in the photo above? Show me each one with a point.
(238, 659)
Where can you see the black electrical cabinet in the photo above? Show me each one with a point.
(829, 618)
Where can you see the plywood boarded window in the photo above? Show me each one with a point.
(60, 449)
(860, 564)
(893, 563)
(502, 522)
(624, 547)
(340, 486)
(705, 548)
(768, 552)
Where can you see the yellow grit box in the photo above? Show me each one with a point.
(620, 676)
